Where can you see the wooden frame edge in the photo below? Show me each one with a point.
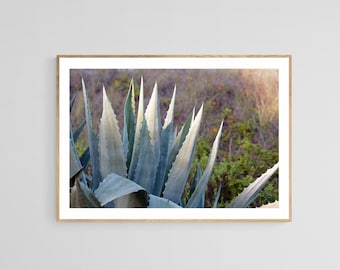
(59, 56)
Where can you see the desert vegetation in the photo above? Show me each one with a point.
(246, 101)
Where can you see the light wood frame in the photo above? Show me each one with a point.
(281, 62)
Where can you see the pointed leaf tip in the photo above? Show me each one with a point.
(180, 169)
(110, 145)
(195, 198)
(138, 130)
(249, 194)
(129, 124)
(150, 144)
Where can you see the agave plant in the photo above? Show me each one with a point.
(148, 164)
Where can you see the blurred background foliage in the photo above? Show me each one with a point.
(247, 100)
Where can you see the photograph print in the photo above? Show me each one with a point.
(182, 138)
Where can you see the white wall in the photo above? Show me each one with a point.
(34, 32)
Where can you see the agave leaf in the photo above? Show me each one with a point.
(159, 202)
(166, 141)
(149, 154)
(82, 197)
(110, 145)
(196, 179)
(218, 194)
(181, 167)
(115, 186)
(138, 130)
(144, 169)
(169, 119)
(200, 189)
(93, 142)
(195, 182)
(72, 102)
(75, 165)
(129, 124)
(77, 132)
(177, 144)
(153, 120)
(173, 137)
(248, 195)
(85, 158)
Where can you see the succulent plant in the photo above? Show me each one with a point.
(148, 164)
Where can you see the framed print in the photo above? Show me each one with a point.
(174, 138)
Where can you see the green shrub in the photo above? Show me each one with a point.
(241, 160)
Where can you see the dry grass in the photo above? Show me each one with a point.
(261, 88)
(249, 94)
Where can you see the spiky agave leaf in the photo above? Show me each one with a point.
(93, 142)
(218, 194)
(145, 166)
(196, 179)
(194, 185)
(248, 195)
(138, 130)
(115, 186)
(166, 140)
(80, 128)
(111, 151)
(85, 158)
(129, 124)
(176, 144)
(149, 154)
(77, 132)
(181, 167)
(195, 198)
(75, 164)
(72, 102)
(153, 120)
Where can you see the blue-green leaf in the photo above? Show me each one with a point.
(77, 132)
(181, 167)
(196, 179)
(176, 144)
(145, 170)
(111, 151)
(194, 184)
(153, 120)
(195, 198)
(248, 195)
(129, 124)
(72, 102)
(149, 145)
(166, 140)
(75, 164)
(138, 130)
(159, 202)
(115, 186)
(93, 142)
(218, 194)
(85, 158)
